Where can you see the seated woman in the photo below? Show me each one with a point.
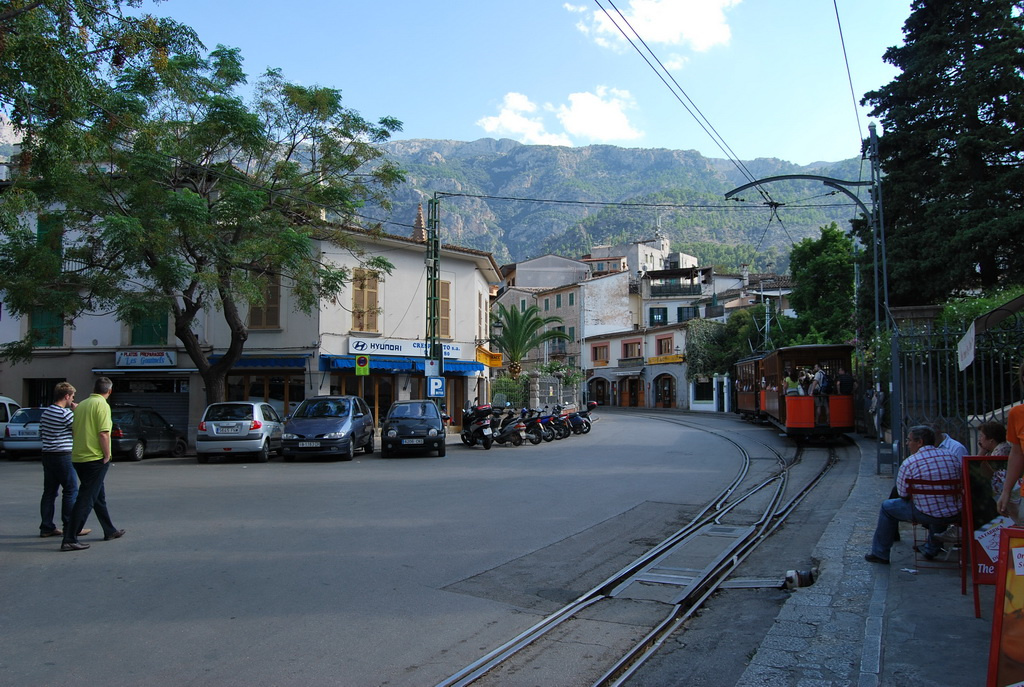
(992, 439)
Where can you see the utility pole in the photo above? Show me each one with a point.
(434, 356)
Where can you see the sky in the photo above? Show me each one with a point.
(769, 76)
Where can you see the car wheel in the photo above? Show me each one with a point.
(368, 449)
(202, 458)
(441, 450)
(138, 451)
(263, 455)
(180, 448)
(351, 453)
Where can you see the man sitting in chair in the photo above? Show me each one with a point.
(934, 511)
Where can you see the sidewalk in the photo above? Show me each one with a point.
(874, 625)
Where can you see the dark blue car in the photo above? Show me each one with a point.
(328, 427)
(415, 425)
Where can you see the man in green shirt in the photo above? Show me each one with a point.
(90, 456)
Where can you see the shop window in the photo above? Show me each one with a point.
(283, 392)
(631, 350)
(151, 330)
(364, 301)
(267, 315)
(47, 327)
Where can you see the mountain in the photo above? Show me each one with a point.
(519, 201)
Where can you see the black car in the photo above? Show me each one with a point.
(140, 432)
(412, 426)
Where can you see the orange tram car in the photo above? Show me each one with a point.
(761, 390)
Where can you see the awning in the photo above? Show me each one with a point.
(143, 370)
(255, 361)
(395, 364)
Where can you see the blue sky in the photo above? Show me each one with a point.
(769, 75)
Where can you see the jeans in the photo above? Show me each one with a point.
(91, 496)
(57, 474)
(894, 511)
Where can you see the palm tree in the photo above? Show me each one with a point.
(521, 332)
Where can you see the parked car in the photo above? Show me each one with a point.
(329, 426)
(239, 427)
(22, 436)
(8, 407)
(140, 432)
(415, 425)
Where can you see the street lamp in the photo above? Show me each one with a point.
(496, 328)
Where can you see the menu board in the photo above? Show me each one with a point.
(1006, 655)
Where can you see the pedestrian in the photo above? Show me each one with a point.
(936, 512)
(992, 439)
(90, 455)
(820, 396)
(58, 474)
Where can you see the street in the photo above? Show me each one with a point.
(374, 572)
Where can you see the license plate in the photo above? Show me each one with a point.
(309, 444)
(408, 442)
(227, 430)
(486, 431)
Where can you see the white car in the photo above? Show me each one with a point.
(22, 436)
(8, 407)
(237, 428)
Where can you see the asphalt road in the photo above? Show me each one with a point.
(375, 572)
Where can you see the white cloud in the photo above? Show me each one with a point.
(513, 121)
(699, 24)
(599, 116)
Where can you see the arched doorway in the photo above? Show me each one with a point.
(665, 391)
(598, 391)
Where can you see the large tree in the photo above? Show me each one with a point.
(823, 287)
(953, 149)
(181, 198)
(523, 331)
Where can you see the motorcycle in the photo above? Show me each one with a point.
(509, 428)
(560, 423)
(538, 426)
(476, 426)
(580, 421)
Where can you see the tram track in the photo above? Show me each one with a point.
(733, 533)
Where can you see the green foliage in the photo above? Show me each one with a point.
(571, 376)
(823, 276)
(704, 340)
(954, 183)
(187, 199)
(522, 331)
(958, 313)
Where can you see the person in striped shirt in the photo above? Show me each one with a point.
(936, 512)
(58, 473)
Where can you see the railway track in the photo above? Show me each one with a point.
(663, 588)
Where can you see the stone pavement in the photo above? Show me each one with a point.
(874, 625)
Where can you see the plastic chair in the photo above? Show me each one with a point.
(945, 488)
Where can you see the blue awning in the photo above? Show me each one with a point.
(254, 361)
(395, 363)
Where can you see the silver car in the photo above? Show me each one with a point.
(22, 436)
(239, 427)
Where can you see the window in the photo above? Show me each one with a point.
(558, 300)
(572, 298)
(665, 346)
(558, 345)
(572, 334)
(444, 290)
(547, 303)
(47, 327)
(522, 305)
(631, 349)
(684, 313)
(267, 315)
(600, 267)
(659, 316)
(151, 330)
(599, 353)
(364, 301)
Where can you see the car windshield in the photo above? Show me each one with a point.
(425, 410)
(26, 415)
(323, 407)
(229, 411)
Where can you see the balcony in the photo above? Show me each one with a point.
(673, 290)
(631, 362)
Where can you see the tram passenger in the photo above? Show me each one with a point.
(793, 387)
(820, 397)
(845, 383)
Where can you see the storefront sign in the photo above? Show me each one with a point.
(146, 359)
(406, 347)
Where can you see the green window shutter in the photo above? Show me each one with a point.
(47, 327)
(151, 330)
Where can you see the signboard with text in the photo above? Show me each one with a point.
(405, 347)
(1006, 653)
(983, 482)
(146, 359)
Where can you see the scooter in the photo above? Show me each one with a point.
(538, 426)
(582, 423)
(476, 426)
(509, 428)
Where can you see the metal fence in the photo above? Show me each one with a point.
(549, 391)
(935, 392)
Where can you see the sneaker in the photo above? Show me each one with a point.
(951, 535)
(73, 546)
(84, 532)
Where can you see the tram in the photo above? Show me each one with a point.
(761, 390)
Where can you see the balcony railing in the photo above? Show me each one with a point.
(675, 289)
(631, 362)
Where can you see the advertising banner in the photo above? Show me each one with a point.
(1006, 654)
(983, 482)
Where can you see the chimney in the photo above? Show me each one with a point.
(419, 229)
(746, 275)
